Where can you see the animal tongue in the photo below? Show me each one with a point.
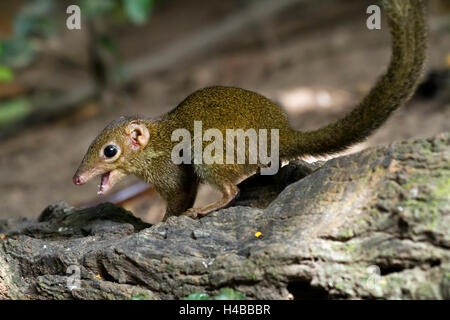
(103, 182)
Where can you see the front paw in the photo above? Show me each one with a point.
(192, 213)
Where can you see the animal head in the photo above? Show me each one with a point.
(121, 142)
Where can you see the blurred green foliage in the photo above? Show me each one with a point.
(197, 296)
(36, 18)
(43, 19)
(224, 294)
(136, 11)
(116, 11)
(14, 110)
(229, 294)
(6, 73)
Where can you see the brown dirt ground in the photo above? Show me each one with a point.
(317, 63)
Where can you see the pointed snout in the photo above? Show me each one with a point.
(78, 180)
(82, 175)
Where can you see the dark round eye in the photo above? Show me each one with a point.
(110, 151)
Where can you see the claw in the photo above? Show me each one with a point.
(191, 213)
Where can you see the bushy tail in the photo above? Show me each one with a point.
(407, 25)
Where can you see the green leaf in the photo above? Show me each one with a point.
(17, 52)
(14, 110)
(138, 10)
(35, 18)
(119, 72)
(98, 7)
(142, 296)
(229, 294)
(6, 74)
(197, 296)
(107, 43)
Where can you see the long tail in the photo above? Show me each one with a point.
(407, 25)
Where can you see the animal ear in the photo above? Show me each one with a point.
(138, 134)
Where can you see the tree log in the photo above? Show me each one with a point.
(370, 225)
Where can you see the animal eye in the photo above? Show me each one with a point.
(110, 151)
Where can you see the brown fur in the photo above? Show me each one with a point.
(234, 108)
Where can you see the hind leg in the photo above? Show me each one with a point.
(229, 193)
(225, 177)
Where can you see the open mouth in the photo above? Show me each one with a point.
(104, 185)
(107, 179)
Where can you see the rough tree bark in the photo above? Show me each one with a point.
(369, 225)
